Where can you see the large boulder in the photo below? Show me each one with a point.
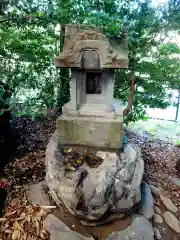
(92, 183)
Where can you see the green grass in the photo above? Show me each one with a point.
(159, 129)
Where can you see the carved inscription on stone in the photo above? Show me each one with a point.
(90, 59)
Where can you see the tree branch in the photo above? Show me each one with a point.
(123, 90)
(131, 96)
(25, 18)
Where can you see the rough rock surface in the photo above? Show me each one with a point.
(140, 228)
(111, 185)
(58, 230)
(147, 205)
(169, 204)
(38, 190)
(172, 221)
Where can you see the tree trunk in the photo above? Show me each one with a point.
(63, 88)
(177, 107)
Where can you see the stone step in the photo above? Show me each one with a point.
(95, 111)
(96, 114)
(101, 107)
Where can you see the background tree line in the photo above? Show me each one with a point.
(32, 34)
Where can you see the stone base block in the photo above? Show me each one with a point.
(94, 132)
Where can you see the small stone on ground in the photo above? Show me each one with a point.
(156, 191)
(157, 218)
(157, 210)
(172, 221)
(169, 204)
(147, 205)
(175, 181)
(157, 234)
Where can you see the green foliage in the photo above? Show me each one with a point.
(30, 40)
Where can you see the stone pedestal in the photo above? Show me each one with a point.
(89, 131)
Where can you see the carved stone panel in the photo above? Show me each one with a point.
(90, 60)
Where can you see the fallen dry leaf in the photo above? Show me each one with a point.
(16, 235)
(22, 223)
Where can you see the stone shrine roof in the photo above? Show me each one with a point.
(79, 38)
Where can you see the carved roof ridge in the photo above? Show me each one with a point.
(78, 37)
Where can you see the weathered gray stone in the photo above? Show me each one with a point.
(156, 191)
(147, 206)
(69, 236)
(123, 176)
(169, 204)
(172, 221)
(157, 218)
(175, 181)
(157, 210)
(157, 233)
(37, 194)
(58, 230)
(119, 236)
(140, 228)
(52, 223)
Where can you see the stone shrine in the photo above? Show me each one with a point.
(85, 169)
(90, 118)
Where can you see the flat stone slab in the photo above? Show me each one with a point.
(37, 194)
(140, 228)
(52, 223)
(59, 231)
(172, 221)
(169, 204)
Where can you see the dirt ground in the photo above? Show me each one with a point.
(160, 159)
